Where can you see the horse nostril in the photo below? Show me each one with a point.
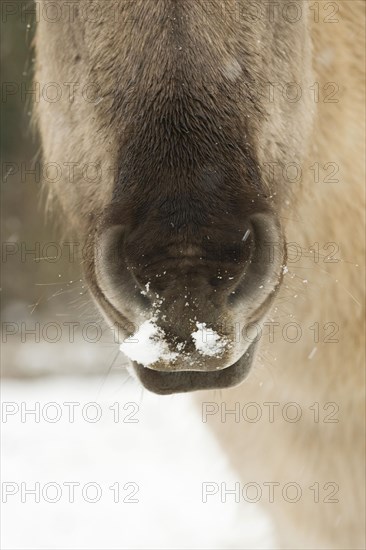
(114, 276)
(262, 271)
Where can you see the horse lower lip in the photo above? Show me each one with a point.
(165, 383)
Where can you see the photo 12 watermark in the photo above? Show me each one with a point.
(71, 492)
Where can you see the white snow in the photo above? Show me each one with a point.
(148, 345)
(232, 69)
(246, 235)
(312, 353)
(168, 453)
(207, 341)
(147, 287)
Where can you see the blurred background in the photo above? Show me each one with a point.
(71, 415)
(42, 285)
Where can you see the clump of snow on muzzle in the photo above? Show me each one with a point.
(207, 341)
(148, 345)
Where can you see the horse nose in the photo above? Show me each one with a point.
(238, 268)
(219, 270)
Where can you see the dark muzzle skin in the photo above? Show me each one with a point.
(197, 296)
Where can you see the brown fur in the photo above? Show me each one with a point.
(179, 148)
(308, 452)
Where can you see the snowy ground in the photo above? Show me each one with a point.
(155, 451)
